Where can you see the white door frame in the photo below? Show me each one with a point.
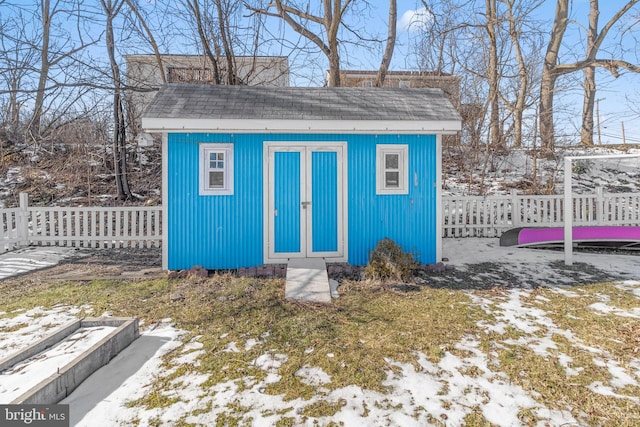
(269, 148)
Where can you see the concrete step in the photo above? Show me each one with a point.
(307, 280)
(57, 382)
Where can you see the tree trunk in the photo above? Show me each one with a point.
(547, 130)
(223, 24)
(152, 40)
(523, 75)
(194, 6)
(331, 21)
(552, 69)
(119, 128)
(391, 42)
(549, 76)
(332, 17)
(36, 120)
(493, 75)
(586, 133)
(589, 85)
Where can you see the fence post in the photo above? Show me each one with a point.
(599, 205)
(23, 220)
(515, 209)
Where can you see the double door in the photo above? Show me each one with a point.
(305, 210)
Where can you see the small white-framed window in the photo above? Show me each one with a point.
(367, 83)
(392, 169)
(216, 169)
(404, 84)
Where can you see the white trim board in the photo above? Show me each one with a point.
(301, 126)
(165, 201)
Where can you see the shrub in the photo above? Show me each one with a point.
(389, 261)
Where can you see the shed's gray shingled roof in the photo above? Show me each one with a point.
(175, 101)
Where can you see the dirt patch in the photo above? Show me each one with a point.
(487, 275)
(91, 264)
(140, 263)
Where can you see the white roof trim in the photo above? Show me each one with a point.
(300, 126)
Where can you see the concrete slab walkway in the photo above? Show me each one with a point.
(307, 280)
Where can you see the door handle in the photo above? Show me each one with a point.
(305, 204)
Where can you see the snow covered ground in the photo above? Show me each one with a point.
(32, 258)
(22, 376)
(418, 393)
(508, 171)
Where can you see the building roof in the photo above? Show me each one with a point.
(399, 73)
(278, 109)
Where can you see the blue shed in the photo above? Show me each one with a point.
(259, 175)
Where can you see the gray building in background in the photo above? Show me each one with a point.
(144, 77)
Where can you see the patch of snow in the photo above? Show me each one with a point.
(190, 358)
(619, 376)
(268, 361)
(250, 343)
(31, 326)
(232, 347)
(565, 361)
(598, 387)
(630, 285)
(22, 376)
(14, 175)
(33, 258)
(312, 376)
(190, 353)
(128, 377)
(607, 309)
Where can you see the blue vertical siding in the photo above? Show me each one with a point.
(220, 232)
(287, 202)
(214, 231)
(324, 205)
(410, 220)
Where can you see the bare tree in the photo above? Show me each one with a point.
(111, 9)
(492, 27)
(136, 10)
(16, 57)
(219, 35)
(54, 51)
(224, 11)
(552, 69)
(201, 22)
(390, 46)
(298, 17)
(515, 28)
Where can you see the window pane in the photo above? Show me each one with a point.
(392, 179)
(220, 156)
(391, 161)
(216, 179)
(220, 165)
(213, 156)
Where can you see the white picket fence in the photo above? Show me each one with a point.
(462, 216)
(88, 227)
(490, 216)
